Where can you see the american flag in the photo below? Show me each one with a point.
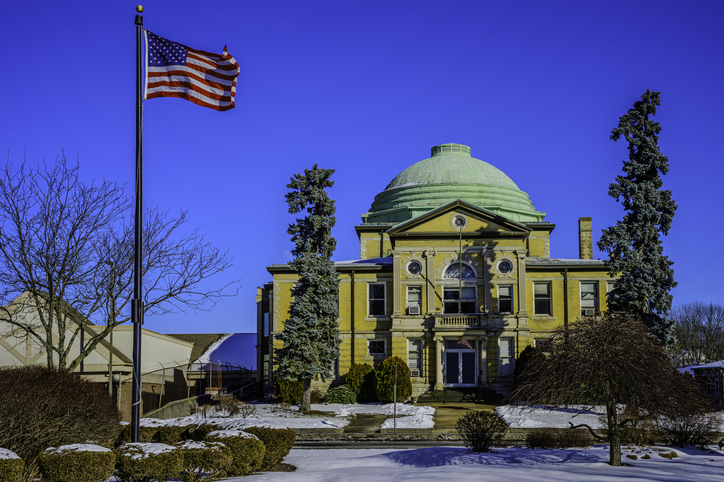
(174, 70)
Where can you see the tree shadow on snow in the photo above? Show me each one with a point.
(439, 456)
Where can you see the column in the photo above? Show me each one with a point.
(396, 285)
(439, 385)
(483, 359)
(522, 298)
(430, 278)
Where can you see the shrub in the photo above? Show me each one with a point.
(698, 429)
(479, 430)
(143, 462)
(247, 451)
(277, 441)
(316, 396)
(340, 394)
(203, 460)
(361, 379)
(558, 438)
(199, 432)
(228, 406)
(43, 407)
(11, 466)
(289, 392)
(385, 380)
(77, 463)
(146, 433)
(171, 434)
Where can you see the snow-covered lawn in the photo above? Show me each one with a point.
(450, 463)
(454, 463)
(335, 416)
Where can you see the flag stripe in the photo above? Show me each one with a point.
(175, 70)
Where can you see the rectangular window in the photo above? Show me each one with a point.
(455, 303)
(542, 298)
(589, 298)
(505, 298)
(377, 347)
(414, 357)
(506, 347)
(414, 300)
(543, 344)
(376, 297)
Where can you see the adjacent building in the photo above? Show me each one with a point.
(455, 275)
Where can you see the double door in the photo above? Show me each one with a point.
(460, 367)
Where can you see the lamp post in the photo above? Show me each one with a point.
(111, 323)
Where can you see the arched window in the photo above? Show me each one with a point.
(453, 271)
(458, 299)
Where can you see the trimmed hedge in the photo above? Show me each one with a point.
(171, 434)
(386, 380)
(287, 391)
(11, 466)
(146, 434)
(143, 462)
(247, 451)
(203, 460)
(558, 438)
(278, 443)
(340, 394)
(361, 379)
(77, 463)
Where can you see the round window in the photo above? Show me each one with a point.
(414, 267)
(459, 222)
(505, 266)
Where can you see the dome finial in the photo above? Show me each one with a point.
(445, 148)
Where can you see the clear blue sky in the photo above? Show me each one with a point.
(367, 88)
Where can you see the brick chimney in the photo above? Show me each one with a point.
(585, 238)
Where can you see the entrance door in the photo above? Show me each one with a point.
(460, 364)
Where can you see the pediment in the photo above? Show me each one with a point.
(442, 221)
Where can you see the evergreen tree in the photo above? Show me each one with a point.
(311, 334)
(634, 244)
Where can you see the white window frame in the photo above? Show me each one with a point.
(419, 302)
(596, 303)
(384, 300)
(410, 345)
(456, 263)
(510, 287)
(510, 357)
(460, 299)
(550, 298)
(377, 340)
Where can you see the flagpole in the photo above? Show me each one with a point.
(137, 301)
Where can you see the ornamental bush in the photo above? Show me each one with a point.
(361, 379)
(277, 441)
(171, 434)
(203, 460)
(77, 463)
(247, 451)
(43, 407)
(145, 462)
(147, 431)
(11, 466)
(385, 379)
(287, 391)
(340, 394)
(479, 430)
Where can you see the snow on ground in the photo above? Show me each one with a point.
(454, 463)
(339, 416)
(554, 417)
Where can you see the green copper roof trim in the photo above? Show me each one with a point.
(451, 174)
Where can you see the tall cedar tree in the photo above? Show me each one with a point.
(613, 361)
(311, 334)
(634, 244)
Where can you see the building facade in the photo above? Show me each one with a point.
(455, 276)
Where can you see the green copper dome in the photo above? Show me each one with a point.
(450, 174)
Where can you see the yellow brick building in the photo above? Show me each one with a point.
(455, 275)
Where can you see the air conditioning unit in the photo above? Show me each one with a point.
(413, 310)
(589, 311)
(415, 373)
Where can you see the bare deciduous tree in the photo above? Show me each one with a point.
(612, 361)
(698, 333)
(66, 260)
